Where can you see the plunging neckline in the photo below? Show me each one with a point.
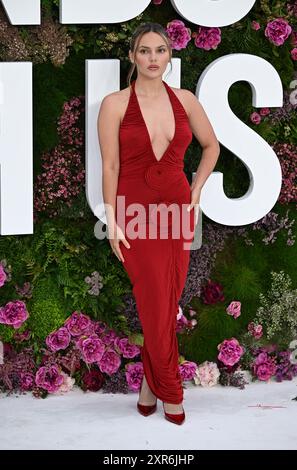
(146, 128)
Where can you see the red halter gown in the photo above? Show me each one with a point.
(157, 267)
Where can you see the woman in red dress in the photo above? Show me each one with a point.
(144, 132)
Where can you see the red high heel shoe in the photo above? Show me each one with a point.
(175, 418)
(146, 410)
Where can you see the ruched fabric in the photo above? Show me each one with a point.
(157, 262)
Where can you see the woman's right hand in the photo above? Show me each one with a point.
(115, 242)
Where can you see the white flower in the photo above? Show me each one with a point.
(207, 374)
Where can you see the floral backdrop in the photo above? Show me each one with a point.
(67, 313)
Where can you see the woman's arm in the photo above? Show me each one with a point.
(108, 123)
(205, 135)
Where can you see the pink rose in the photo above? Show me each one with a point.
(187, 370)
(14, 313)
(49, 378)
(277, 31)
(134, 375)
(230, 351)
(91, 348)
(264, 366)
(127, 349)
(59, 339)
(207, 38)
(255, 118)
(233, 309)
(179, 34)
(77, 323)
(110, 362)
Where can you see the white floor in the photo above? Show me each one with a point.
(216, 418)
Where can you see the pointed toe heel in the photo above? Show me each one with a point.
(175, 418)
(146, 410)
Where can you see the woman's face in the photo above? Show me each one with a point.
(151, 50)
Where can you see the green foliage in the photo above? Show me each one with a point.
(6, 333)
(46, 309)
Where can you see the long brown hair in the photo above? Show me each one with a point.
(137, 35)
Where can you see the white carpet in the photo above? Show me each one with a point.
(216, 418)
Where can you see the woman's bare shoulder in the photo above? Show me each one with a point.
(117, 101)
(186, 97)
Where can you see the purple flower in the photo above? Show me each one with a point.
(49, 378)
(277, 31)
(3, 275)
(230, 351)
(179, 34)
(207, 38)
(91, 348)
(127, 349)
(59, 339)
(233, 309)
(110, 362)
(187, 370)
(27, 381)
(134, 375)
(14, 313)
(77, 323)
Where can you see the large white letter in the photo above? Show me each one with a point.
(16, 180)
(202, 12)
(260, 160)
(21, 12)
(94, 11)
(213, 12)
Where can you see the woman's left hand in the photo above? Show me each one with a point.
(195, 200)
